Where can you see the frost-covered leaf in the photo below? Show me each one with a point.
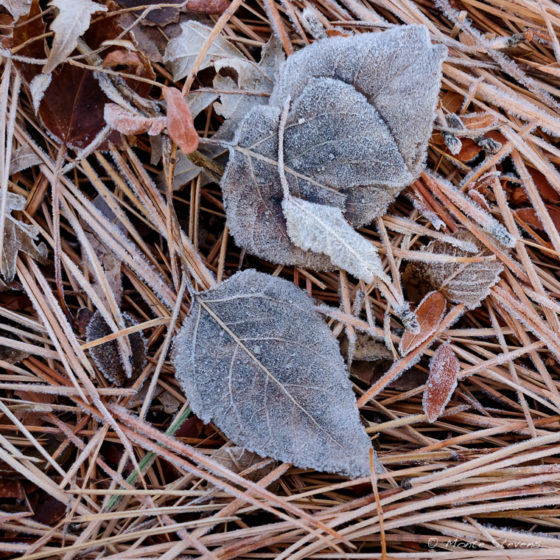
(37, 88)
(429, 314)
(18, 237)
(398, 71)
(17, 8)
(107, 357)
(237, 459)
(356, 134)
(444, 371)
(467, 283)
(71, 22)
(182, 51)
(250, 77)
(324, 229)
(23, 158)
(128, 123)
(180, 125)
(255, 358)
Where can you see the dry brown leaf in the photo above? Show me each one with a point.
(429, 314)
(107, 357)
(18, 237)
(442, 380)
(180, 126)
(467, 283)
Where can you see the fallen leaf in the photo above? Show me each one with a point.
(182, 51)
(324, 229)
(238, 459)
(128, 123)
(442, 381)
(467, 283)
(255, 358)
(18, 237)
(368, 350)
(356, 134)
(249, 77)
(529, 215)
(106, 356)
(23, 158)
(180, 125)
(73, 103)
(72, 20)
(11, 488)
(429, 314)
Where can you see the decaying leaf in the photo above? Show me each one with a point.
(180, 126)
(255, 358)
(323, 229)
(106, 356)
(71, 22)
(467, 283)
(238, 459)
(444, 372)
(355, 135)
(18, 236)
(23, 158)
(429, 314)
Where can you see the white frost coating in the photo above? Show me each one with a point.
(255, 358)
(442, 381)
(71, 22)
(323, 229)
(182, 51)
(17, 8)
(37, 87)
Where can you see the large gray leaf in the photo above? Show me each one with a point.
(399, 72)
(356, 134)
(255, 358)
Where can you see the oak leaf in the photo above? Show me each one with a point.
(255, 358)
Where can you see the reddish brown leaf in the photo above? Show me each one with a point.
(444, 372)
(207, 6)
(474, 121)
(451, 101)
(180, 124)
(123, 57)
(469, 150)
(529, 216)
(11, 488)
(429, 314)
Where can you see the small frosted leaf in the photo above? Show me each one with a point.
(467, 283)
(37, 88)
(249, 77)
(180, 125)
(323, 229)
(356, 133)
(182, 51)
(106, 356)
(17, 8)
(18, 237)
(442, 381)
(128, 123)
(71, 22)
(429, 314)
(255, 358)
